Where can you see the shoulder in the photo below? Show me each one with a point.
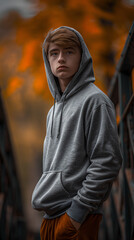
(95, 97)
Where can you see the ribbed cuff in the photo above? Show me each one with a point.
(77, 211)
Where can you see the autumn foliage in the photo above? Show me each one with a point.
(103, 24)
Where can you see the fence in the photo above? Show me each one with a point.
(118, 221)
(12, 224)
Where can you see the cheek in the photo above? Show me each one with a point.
(77, 64)
(77, 61)
(52, 66)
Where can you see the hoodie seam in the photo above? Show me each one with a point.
(100, 105)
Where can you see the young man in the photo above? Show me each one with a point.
(81, 155)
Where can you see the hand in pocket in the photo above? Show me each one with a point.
(65, 230)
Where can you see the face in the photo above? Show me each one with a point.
(64, 61)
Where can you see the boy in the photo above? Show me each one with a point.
(81, 154)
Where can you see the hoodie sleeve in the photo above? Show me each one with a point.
(104, 163)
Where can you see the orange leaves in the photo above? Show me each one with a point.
(28, 55)
(91, 26)
(41, 88)
(103, 28)
(57, 16)
(14, 84)
(84, 4)
(39, 85)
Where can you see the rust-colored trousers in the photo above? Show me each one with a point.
(61, 228)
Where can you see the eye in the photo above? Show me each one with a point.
(69, 52)
(54, 54)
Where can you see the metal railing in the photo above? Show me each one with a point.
(12, 222)
(118, 220)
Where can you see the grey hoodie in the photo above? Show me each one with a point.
(81, 153)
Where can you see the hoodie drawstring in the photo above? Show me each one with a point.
(61, 118)
(59, 128)
(53, 117)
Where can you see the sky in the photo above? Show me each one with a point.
(25, 8)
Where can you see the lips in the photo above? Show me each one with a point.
(61, 68)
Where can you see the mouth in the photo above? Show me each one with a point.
(61, 68)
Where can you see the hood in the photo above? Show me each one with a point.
(83, 76)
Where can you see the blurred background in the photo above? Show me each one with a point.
(24, 24)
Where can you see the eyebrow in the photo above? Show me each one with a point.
(56, 49)
(53, 49)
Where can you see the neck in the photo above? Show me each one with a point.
(63, 83)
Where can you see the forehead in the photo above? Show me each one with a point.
(54, 46)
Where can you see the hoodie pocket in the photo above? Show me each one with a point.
(49, 191)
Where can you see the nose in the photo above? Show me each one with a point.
(61, 57)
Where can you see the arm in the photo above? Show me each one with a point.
(105, 160)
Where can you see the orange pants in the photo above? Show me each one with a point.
(61, 228)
